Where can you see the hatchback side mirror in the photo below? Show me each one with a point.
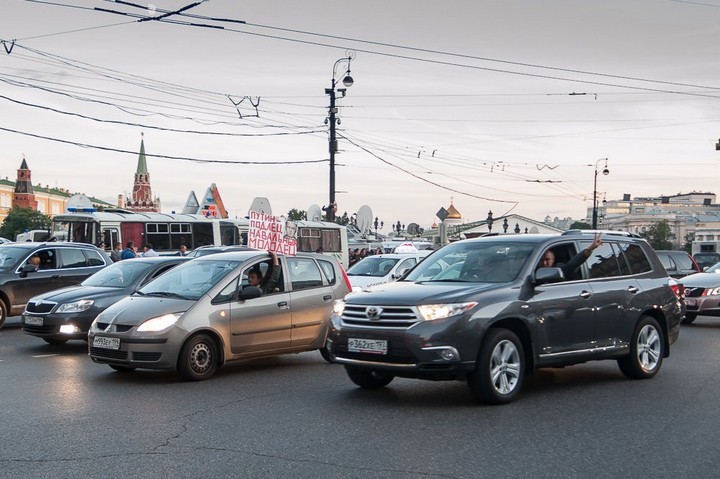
(249, 292)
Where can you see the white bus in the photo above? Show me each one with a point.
(166, 232)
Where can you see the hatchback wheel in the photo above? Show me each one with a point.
(3, 313)
(689, 318)
(368, 379)
(647, 349)
(498, 375)
(198, 358)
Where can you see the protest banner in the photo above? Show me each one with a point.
(268, 232)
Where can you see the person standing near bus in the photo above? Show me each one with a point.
(116, 253)
(129, 251)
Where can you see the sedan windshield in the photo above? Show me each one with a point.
(118, 275)
(473, 261)
(372, 266)
(190, 280)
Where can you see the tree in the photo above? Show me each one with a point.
(580, 225)
(20, 219)
(297, 215)
(659, 235)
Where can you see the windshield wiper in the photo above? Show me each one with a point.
(167, 294)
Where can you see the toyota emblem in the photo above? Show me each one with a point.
(373, 312)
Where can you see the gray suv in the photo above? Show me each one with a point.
(28, 269)
(482, 310)
(205, 313)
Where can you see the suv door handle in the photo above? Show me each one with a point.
(633, 289)
(585, 294)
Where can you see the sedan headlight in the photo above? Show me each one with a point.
(430, 312)
(160, 323)
(76, 306)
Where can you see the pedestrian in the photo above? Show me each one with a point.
(149, 252)
(129, 251)
(116, 253)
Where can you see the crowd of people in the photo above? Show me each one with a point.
(119, 253)
(357, 254)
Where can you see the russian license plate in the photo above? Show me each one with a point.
(371, 346)
(33, 320)
(106, 343)
(690, 301)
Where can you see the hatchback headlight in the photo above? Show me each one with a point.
(430, 312)
(160, 323)
(76, 306)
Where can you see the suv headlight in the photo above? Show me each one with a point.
(160, 323)
(430, 312)
(339, 307)
(76, 306)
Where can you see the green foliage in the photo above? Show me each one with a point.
(20, 219)
(659, 235)
(580, 225)
(297, 215)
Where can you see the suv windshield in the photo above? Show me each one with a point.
(10, 255)
(485, 262)
(190, 280)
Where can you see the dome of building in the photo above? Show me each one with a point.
(453, 213)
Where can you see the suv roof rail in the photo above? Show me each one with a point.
(603, 232)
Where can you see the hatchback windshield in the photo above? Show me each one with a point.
(10, 255)
(190, 280)
(485, 262)
(118, 275)
(372, 266)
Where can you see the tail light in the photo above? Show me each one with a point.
(677, 288)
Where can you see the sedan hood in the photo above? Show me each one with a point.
(701, 280)
(409, 293)
(134, 310)
(74, 293)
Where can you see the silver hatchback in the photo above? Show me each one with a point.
(204, 313)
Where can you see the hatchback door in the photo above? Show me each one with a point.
(312, 298)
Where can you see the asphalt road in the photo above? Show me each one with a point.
(296, 416)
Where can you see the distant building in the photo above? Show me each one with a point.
(142, 200)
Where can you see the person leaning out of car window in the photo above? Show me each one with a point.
(548, 258)
(269, 283)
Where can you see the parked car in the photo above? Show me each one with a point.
(499, 316)
(381, 268)
(63, 314)
(706, 260)
(204, 313)
(58, 265)
(4, 240)
(678, 264)
(212, 249)
(702, 294)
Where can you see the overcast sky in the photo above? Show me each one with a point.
(500, 105)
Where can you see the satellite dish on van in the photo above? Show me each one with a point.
(314, 213)
(261, 205)
(364, 219)
(413, 229)
(79, 203)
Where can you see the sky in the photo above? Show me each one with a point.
(507, 106)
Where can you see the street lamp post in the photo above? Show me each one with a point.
(489, 221)
(333, 121)
(381, 223)
(605, 172)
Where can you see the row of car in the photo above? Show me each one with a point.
(477, 310)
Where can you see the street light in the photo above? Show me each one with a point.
(376, 225)
(605, 172)
(489, 221)
(333, 120)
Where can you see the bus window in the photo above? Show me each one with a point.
(203, 234)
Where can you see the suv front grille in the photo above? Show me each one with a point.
(44, 307)
(380, 316)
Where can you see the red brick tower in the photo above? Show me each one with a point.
(24, 196)
(142, 199)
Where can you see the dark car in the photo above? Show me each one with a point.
(28, 269)
(678, 264)
(67, 313)
(702, 294)
(499, 316)
(706, 260)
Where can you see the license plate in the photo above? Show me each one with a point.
(106, 343)
(371, 346)
(33, 320)
(690, 302)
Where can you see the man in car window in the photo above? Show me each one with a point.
(269, 284)
(548, 258)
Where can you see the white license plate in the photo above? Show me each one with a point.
(371, 346)
(690, 301)
(33, 320)
(106, 343)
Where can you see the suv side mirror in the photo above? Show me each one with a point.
(548, 275)
(249, 292)
(28, 268)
